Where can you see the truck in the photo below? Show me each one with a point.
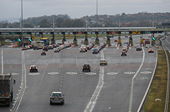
(6, 89)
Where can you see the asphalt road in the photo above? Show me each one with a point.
(63, 72)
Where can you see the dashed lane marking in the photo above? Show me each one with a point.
(91, 73)
(34, 74)
(71, 73)
(109, 108)
(15, 73)
(129, 73)
(148, 68)
(146, 72)
(112, 73)
(143, 78)
(53, 73)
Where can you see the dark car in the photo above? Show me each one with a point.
(50, 47)
(123, 54)
(45, 48)
(86, 68)
(150, 50)
(57, 50)
(55, 45)
(33, 68)
(138, 49)
(95, 51)
(43, 53)
(57, 98)
(82, 50)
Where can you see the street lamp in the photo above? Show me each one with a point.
(53, 17)
(21, 22)
(53, 34)
(97, 12)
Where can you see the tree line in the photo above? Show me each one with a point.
(142, 19)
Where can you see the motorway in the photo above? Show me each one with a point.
(104, 89)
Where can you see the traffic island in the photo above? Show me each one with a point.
(108, 42)
(75, 42)
(97, 41)
(86, 42)
(155, 99)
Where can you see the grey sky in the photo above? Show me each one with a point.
(79, 8)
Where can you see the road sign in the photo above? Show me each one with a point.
(153, 38)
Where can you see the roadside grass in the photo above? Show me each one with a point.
(169, 97)
(155, 100)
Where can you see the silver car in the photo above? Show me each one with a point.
(57, 98)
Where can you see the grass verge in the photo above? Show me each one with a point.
(155, 100)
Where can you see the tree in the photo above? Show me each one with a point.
(44, 23)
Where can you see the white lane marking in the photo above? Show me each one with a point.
(71, 73)
(53, 73)
(15, 73)
(93, 99)
(148, 68)
(132, 83)
(143, 78)
(90, 73)
(23, 86)
(146, 72)
(34, 74)
(112, 73)
(129, 73)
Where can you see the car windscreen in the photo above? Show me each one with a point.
(4, 87)
(56, 95)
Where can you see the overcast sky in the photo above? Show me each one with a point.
(79, 8)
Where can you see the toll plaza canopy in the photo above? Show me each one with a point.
(80, 29)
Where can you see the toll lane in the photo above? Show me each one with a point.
(116, 91)
(54, 76)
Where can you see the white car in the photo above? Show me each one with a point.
(57, 98)
(103, 62)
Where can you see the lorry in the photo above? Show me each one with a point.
(6, 89)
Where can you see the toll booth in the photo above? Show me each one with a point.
(45, 40)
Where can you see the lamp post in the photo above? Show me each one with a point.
(97, 12)
(21, 22)
(53, 34)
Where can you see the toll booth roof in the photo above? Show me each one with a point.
(44, 38)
